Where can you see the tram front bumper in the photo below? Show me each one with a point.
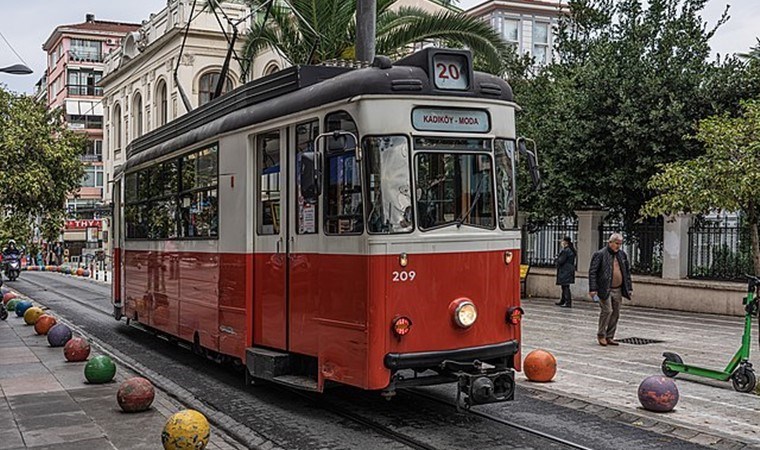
(484, 374)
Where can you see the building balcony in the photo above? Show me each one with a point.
(85, 90)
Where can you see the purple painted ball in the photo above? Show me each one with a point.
(658, 393)
(59, 335)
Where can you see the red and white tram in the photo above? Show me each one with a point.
(327, 224)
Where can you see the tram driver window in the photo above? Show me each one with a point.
(268, 170)
(343, 191)
(389, 192)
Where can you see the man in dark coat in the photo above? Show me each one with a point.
(609, 280)
(566, 271)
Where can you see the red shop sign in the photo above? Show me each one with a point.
(83, 224)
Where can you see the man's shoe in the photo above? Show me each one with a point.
(612, 342)
(560, 303)
(566, 305)
(602, 341)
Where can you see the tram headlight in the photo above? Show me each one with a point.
(464, 313)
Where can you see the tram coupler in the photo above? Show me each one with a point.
(481, 388)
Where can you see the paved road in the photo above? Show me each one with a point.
(292, 421)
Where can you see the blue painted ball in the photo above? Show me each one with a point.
(22, 306)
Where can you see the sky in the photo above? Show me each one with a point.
(29, 23)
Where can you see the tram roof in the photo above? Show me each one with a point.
(304, 87)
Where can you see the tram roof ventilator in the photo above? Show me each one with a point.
(265, 98)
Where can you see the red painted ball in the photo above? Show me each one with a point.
(76, 350)
(44, 324)
(8, 297)
(540, 366)
(135, 395)
(79, 272)
(658, 393)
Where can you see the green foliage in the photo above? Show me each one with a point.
(633, 81)
(725, 177)
(315, 31)
(39, 165)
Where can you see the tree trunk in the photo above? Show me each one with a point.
(755, 238)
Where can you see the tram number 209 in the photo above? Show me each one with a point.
(404, 275)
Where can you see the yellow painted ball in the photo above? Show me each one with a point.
(32, 314)
(187, 429)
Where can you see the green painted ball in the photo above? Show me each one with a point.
(100, 369)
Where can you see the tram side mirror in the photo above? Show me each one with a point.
(532, 158)
(342, 141)
(309, 176)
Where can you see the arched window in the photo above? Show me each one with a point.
(137, 115)
(270, 69)
(161, 104)
(207, 86)
(116, 120)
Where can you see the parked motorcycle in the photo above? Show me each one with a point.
(12, 265)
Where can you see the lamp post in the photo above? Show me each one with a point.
(16, 69)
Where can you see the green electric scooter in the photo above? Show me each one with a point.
(739, 370)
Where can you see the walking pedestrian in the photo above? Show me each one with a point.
(609, 280)
(58, 252)
(566, 271)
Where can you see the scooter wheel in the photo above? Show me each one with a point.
(670, 357)
(744, 379)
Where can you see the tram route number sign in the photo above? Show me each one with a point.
(451, 72)
(451, 120)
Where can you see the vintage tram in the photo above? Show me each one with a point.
(328, 224)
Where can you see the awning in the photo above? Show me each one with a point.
(84, 108)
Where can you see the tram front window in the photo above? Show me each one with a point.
(454, 187)
(388, 184)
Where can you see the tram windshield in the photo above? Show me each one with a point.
(454, 182)
(388, 184)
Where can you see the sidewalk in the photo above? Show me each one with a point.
(606, 379)
(45, 402)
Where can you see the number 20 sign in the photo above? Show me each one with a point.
(451, 72)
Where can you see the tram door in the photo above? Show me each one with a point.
(270, 310)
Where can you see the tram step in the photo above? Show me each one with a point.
(298, 381)
(267, 364)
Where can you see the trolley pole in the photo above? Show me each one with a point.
(366, 20)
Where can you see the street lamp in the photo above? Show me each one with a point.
(16, 69)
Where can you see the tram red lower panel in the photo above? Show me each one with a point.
(340, 307)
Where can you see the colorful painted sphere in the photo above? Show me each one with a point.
(59, 335)
(79, 272)
(187, 429)
(76, 350)
(658, 393)
(44, 323)
(540, 366)
(135, 395)
(85, 273)
(11, 305)
(22, 306)
(32, 314)
(100, 369)
(8, 296)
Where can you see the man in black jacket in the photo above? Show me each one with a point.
(609, 279)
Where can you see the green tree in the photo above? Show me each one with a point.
(315, 31)
(726, 177)
(632, 82)
(39, 165)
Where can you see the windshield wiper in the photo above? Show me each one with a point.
(475, 201)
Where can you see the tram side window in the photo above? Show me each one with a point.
(307, 201)
(505, 183)
(343, 191)
(198, 201)
(389, 189)
(268, 170)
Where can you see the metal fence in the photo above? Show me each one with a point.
(719, 249)
(541, 245)
(642, 242)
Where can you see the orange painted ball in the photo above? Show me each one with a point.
(44, 324)
(540, 366)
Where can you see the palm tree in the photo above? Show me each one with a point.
(753, 54)
(313, 31)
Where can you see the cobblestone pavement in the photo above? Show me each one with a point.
(269, 417)
(708, 412)
(45, 402)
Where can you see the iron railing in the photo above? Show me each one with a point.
(540, 245)
(719, 249)
(642, 242)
